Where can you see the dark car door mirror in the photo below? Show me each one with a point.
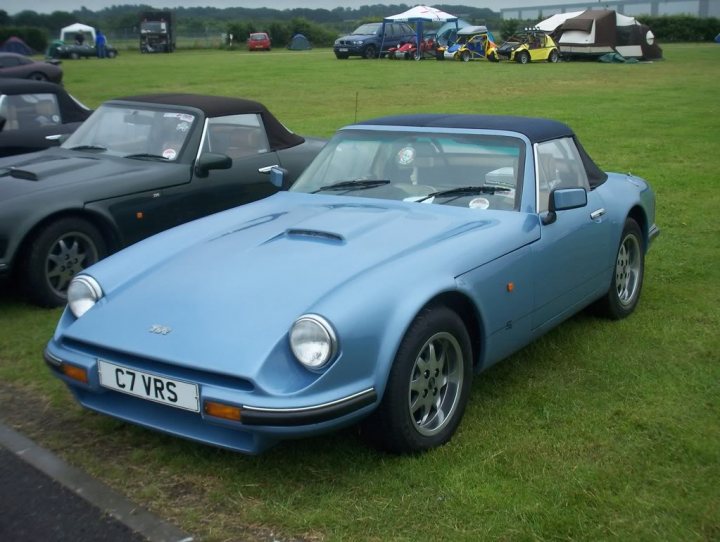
(564, 199)
(211, 160)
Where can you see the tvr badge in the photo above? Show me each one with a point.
(157, 329)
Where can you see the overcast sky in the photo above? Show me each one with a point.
(48, 6)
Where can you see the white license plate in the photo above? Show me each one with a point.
(343, 49)
(148, 386)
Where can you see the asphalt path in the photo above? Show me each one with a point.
(42, 498)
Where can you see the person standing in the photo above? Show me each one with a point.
(100, 44)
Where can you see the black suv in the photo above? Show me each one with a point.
(367, 40)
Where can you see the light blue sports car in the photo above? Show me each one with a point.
(413, 252)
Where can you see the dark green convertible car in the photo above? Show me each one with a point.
(137, 166)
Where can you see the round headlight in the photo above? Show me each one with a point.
(312, 341)
(83, 293)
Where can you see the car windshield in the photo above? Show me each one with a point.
(468, 170)
(258, 37)
(364, 30)
(140, 132)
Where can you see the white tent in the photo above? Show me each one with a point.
(422, 13)
(69, 32)
(419, 15)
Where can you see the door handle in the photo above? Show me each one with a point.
(267, 169)
(597, 214)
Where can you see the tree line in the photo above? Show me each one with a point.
(321, 26)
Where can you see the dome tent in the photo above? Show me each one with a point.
(16, 45)
(299, 43)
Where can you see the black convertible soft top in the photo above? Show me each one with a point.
(279, 137)
(73, 111)
(536, 130)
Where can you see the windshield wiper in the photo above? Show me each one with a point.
(146, 155)
(357, 184)
(88, 148)
(465, 191)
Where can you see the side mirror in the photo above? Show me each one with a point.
(278, 176)
(564, 199)
(210, 161)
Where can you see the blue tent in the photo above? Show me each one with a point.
(15, 45)
(418, 16)
(299, 43)
(717, 38)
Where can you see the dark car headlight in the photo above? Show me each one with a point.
(83, 293)
(313, 341)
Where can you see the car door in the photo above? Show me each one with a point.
(243, 139)
(571, 258)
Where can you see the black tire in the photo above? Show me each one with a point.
(341, 56)
(523, 57)
(624, 293)
(38, 76)
(111, 54)
(428, 386)
(56, 254)
(370, 52)
(465, 57)
(554, 56)
(74, 56)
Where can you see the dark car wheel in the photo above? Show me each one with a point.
(74, 55)
(56, 255)
(523, 57)
(624, 293)
(554, 56)
(465, 57)
(428, 386)
(370, 52)
(111, 54)
(38, 76)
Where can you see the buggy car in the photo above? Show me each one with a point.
(413, 252)
(532, 45)
(473, 42)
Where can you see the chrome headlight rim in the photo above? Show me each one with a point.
(327, 329)
(83, 293)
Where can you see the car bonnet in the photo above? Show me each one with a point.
(236, 281)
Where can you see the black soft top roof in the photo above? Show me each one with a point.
(72, 110)
(279, 137)
(536, 130)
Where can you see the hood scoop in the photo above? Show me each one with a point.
(37, 170)
(315, 235)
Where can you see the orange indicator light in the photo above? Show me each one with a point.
(220, 410)
(76, 373)
(510, 286)
(139, 215)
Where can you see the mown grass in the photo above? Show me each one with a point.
(599, 431)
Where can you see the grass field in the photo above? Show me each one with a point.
(600, 431)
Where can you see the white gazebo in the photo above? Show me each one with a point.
(68, 33)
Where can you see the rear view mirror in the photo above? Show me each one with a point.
(210, 161)
(564, 199)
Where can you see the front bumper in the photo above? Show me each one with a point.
(260, 425)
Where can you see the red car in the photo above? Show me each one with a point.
(259, 41)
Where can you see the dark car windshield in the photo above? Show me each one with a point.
(135, 131)
(482, 171)
(364, 30)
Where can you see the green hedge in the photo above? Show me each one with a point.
(34, 37)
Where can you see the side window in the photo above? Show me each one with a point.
(236, 136)
(25, 111)
(558, 166)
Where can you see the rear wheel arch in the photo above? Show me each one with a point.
(638, 215)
